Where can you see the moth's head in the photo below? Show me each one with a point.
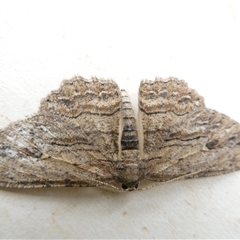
(130, 186)
(128, 174)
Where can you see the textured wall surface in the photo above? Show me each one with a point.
(42, 43)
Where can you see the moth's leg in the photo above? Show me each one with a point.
(172, 180)
(185, 176)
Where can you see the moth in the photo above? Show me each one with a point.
(86, 134)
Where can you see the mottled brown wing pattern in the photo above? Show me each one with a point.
(181, 137)
(69, 142)
(86, 134)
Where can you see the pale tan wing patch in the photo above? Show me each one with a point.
(183, 138)
(71, 141)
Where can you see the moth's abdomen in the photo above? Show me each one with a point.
(129, 138)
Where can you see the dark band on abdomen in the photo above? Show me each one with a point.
(129, 139)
